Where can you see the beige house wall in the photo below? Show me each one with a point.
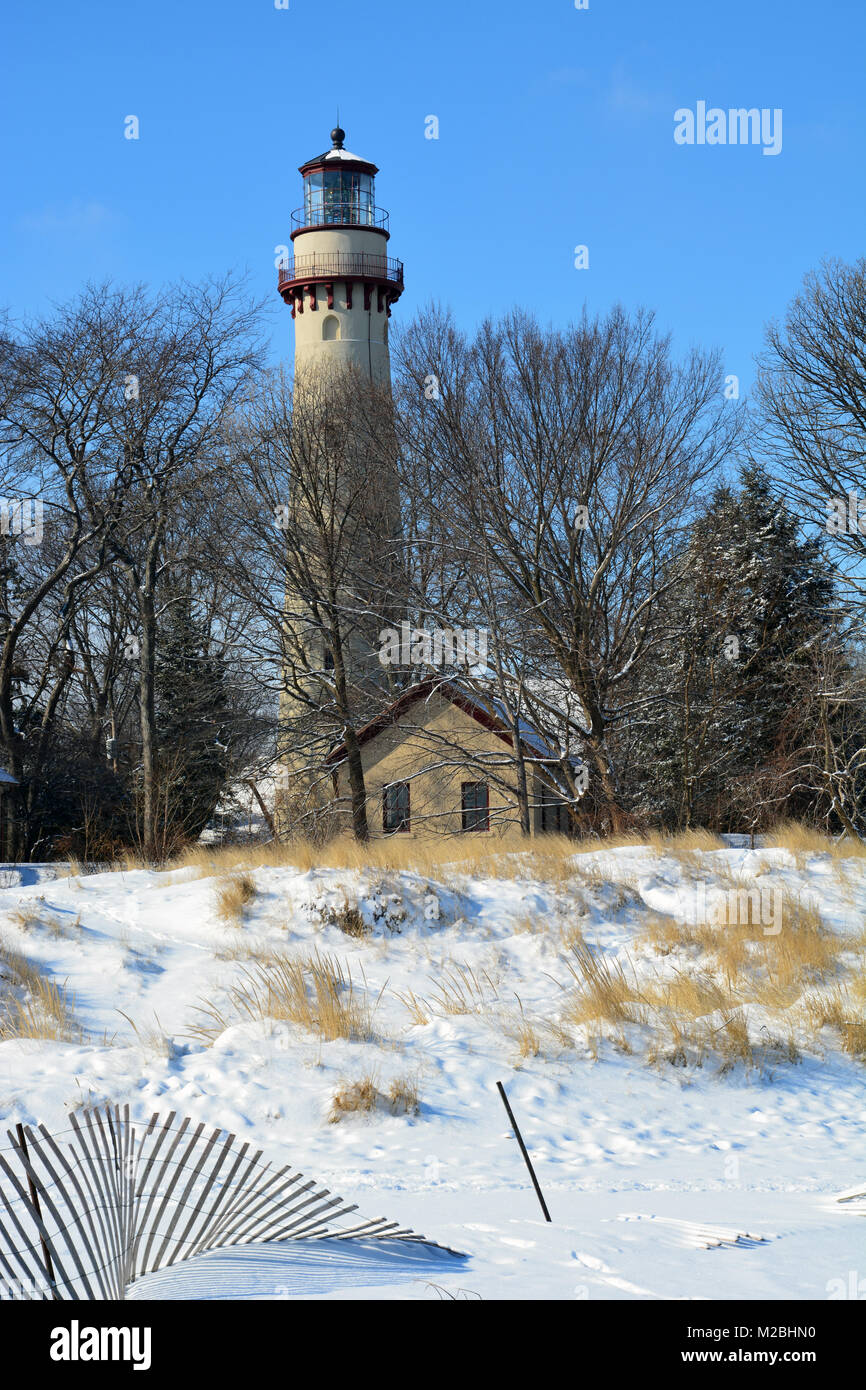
(436, 747)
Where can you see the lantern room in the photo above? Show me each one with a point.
(339, 264)
(339, 191)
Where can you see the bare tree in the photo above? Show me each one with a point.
(571, 461)
(187, 366)
(315, 552)
(812, 397)
(61, 386)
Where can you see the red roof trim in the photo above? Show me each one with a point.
(422, 691)
(352, 166)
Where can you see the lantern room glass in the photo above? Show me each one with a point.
(338, 196)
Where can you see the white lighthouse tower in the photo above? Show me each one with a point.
(341, 282)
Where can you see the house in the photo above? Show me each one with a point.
(440, 760)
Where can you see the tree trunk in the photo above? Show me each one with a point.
(354, 762)
(147, 711)
(357, 787)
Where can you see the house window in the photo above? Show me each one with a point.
(550, 803)
(475, 806)
(395, 807)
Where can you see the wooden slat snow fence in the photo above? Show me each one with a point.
(86, 1217)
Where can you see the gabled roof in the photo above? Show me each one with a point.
(492, 719)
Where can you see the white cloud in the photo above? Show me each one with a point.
(75, 218)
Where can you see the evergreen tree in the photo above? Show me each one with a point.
(734, 643)
(192, 716)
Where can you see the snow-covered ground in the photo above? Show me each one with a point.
(663, 1180)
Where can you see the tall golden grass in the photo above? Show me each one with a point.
(315, 991)
(802, 840)
(44, 1012)
(507, 856)
(234, 895)
(604, 991)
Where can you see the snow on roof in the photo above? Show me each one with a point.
(346, 154)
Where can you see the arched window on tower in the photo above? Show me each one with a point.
(331, 328)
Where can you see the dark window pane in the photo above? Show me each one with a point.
(475, 806)
(550, 803)
(395, 807)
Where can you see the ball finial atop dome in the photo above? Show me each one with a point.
(338, 135)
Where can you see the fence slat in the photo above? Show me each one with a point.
(122, 1199)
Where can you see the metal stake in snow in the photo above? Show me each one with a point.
(519, 1137)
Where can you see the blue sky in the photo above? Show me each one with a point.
(555, 129)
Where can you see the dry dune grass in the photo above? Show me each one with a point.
(364, 1097)
(728, 1042)
(348, 918)
(503, 856)
(44, 1012)
(803, 840)
(854, 1037)
(685, 842)
(418, 1009)
(152, 1038)
(777, 959)
(459, 990)
(233, 896)
(403, 1097)
(521, 1032)
(510, 855)
(604, 991)
(802, 954)
(26, 916)
(462, 990)
(353, 1098)
(688, 995)
(791, 967)
(315, 991)
(801, 974)
(829, 1009)
(33, 916)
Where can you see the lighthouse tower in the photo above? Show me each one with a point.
(341, 282)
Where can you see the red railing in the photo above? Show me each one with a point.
(341, 265)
